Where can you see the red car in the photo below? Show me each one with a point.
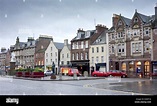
(154, 73)
(99, 74)
(117, 73)
(72, 71)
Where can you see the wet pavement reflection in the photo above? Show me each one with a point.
(144, 87)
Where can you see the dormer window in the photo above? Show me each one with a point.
(87, 34)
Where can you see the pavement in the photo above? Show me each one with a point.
(58, 78)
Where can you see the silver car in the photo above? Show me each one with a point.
(48, 72)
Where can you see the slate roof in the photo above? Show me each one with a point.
(144, 17)
(83, 36)
(59, 45)
(126, 20)
(101, 39)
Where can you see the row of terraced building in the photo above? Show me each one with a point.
(129, 45)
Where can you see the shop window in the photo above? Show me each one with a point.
(131, 66)
(124, 66)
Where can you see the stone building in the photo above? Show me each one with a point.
(130, 44)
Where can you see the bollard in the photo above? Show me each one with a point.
(75, 75)
(60, 76)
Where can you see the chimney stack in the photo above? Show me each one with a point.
(115, 19)
(66, 42)
(100, 28)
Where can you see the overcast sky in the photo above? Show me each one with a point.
(61, 18)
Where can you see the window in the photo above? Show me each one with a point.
(120, 22)
(81, 56)
(102, 59)
(136, 32)
(146, 32)
(135, 19)
(139, 47)
(82, 44)
(97, 59)
(62, 62)
(102, 49)
(73, 46)
(77, 45)
(92, 49)
(128, 33)
(92, 60)
(121, 48)
(112, 49)
(113, 36)
(136, 47)
(147, 46)
(67, 55)
(68, 62)
(56, 54)
(86, 56)
(97, 49)
(77, 56)
(86, 44)
(73, 56)
(51, 48)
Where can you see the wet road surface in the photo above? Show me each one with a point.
(144, 87)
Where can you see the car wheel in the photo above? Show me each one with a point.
(95, 75)
(123, 76)
(110, 76)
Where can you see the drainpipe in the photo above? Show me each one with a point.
(151, 50)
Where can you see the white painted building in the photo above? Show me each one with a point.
(65, 55)
(52, 54)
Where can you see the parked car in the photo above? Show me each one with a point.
(117, 73)
(154, 72)
(48, 72)
(99, 74)
(72, 71)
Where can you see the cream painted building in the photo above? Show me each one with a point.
(98, 54)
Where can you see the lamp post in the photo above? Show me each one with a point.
(60, 72)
